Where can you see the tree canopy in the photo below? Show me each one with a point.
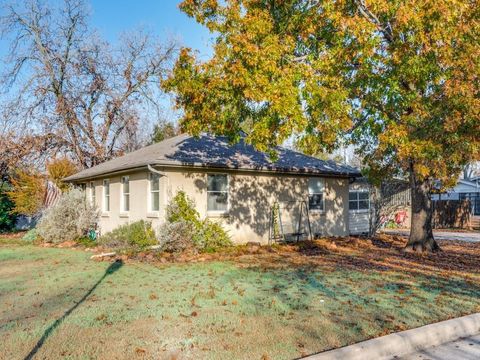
(27, 192)
(398, 78)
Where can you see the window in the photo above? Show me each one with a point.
(217, 192)
(315, 194)
(358, 200)
(154, 192)
(106, 195)
(92, 194)
(125, 193)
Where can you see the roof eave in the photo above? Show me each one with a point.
(74, 178)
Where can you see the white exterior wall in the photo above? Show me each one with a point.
(250, 195)
(359, 220)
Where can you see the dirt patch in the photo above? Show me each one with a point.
(14, 235)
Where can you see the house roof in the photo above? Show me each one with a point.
(208, 151)
(467, 182)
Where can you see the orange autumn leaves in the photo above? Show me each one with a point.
(399, 79)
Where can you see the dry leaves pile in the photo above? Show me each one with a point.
(381, 253)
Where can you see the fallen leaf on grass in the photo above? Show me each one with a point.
(101, 317)
(140, 351)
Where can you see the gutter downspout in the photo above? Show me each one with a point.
(155, 170)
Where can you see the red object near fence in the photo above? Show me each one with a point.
(400, 217)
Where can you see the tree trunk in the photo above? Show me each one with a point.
(421, 233)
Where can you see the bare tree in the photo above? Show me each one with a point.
(24, 151)
(70, 85)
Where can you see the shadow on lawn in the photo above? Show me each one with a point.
(110, 270)
(386, 254)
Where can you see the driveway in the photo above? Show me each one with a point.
(468, 236)
(465, 349)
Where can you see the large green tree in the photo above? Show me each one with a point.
(399, 78)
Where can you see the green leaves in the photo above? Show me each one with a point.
(399, 79)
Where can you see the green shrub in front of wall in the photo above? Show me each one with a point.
(139, 234)
(184, 229)
(211, 236)
(182, 208)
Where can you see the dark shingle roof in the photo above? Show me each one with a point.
(216, 152)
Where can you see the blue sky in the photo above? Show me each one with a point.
(163, 17)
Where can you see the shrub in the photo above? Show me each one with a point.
(87, 242)
(139, 234)
(184, 229)
(30, 236)
(176, 236)
(7, 215)
(182, 208)
(69, 219)
(211, 237)
(27, 193)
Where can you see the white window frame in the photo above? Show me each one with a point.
(357, 200)
(123, 194)
(150, 192)
(105, 208)
(219, 212)
(93, 195)
(322, 210)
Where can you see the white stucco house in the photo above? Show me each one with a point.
(232, 183)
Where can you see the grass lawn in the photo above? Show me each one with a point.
(293, 301)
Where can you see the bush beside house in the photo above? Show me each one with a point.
(72, 217)
(69, 219)
(137, 235)
(184, 229)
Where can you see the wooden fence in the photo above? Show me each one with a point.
(452, 214)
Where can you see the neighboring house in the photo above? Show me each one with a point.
(474, 179)
(465, 189)
(235, 184)
(372, 207)
(359, 207)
